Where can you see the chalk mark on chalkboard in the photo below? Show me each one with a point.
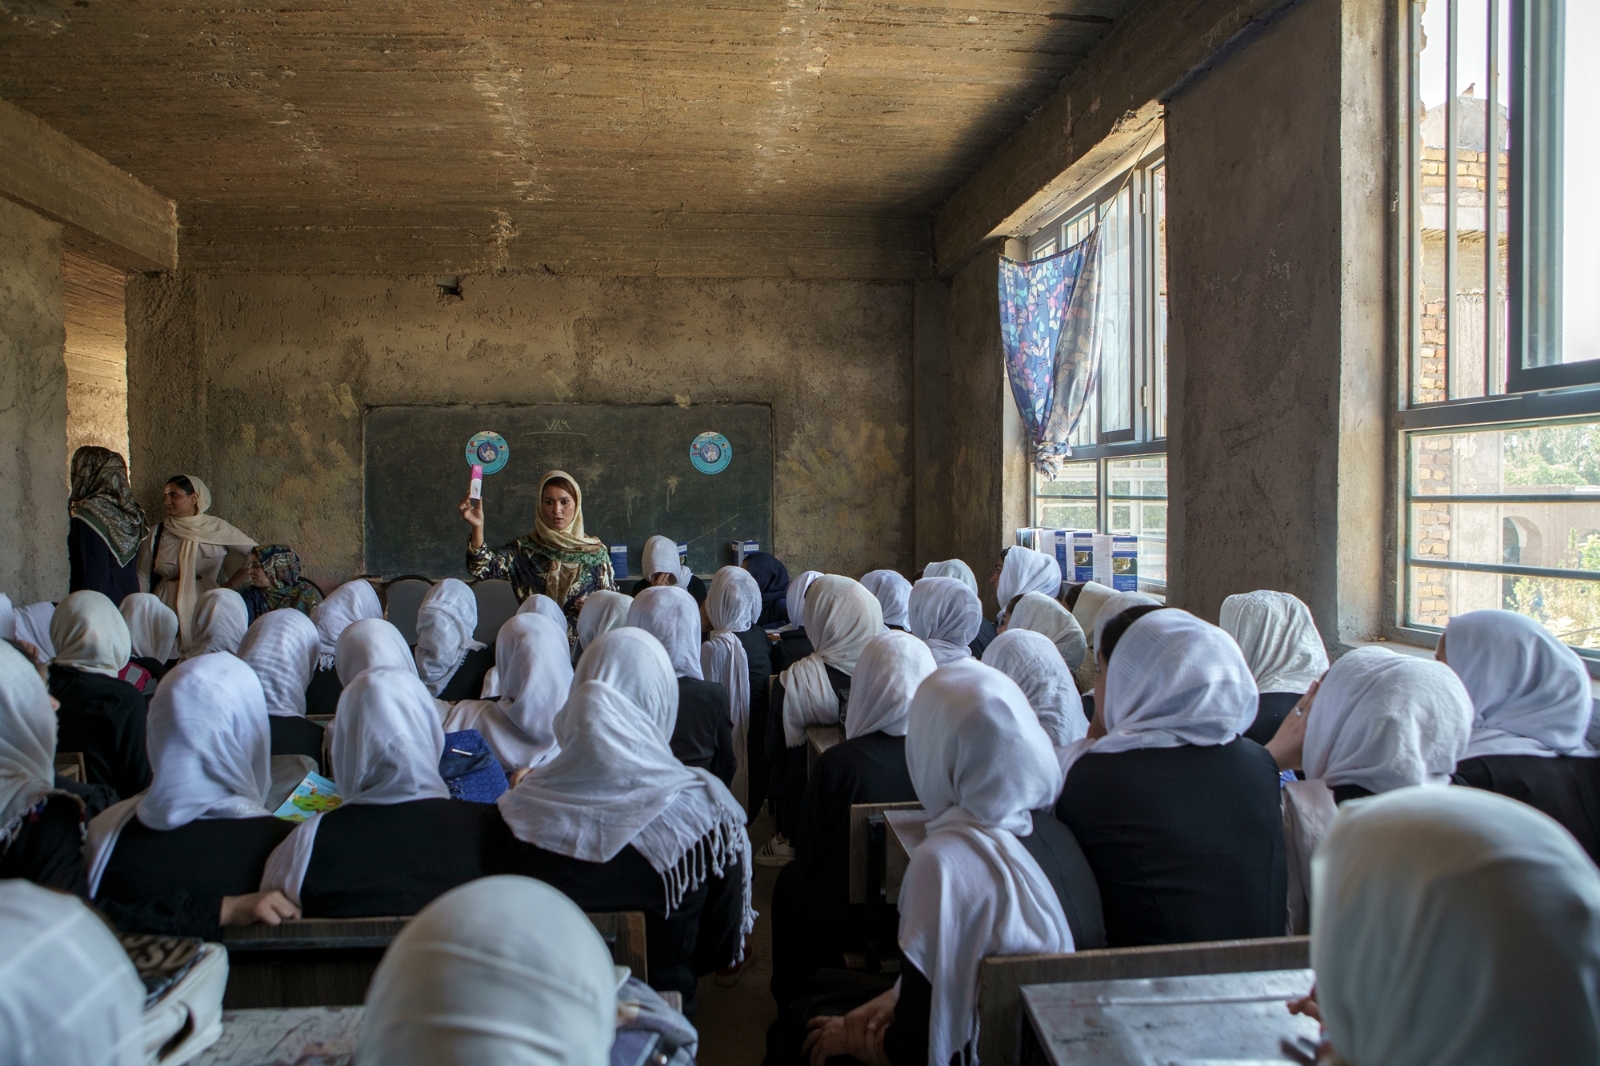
(713, 530)
(630, 494)
(672, 486)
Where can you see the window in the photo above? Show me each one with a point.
(1119, 483)
(1500, 413)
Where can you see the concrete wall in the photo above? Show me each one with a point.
(33, 409)
(96, 355)
(1276, 167)
(286, 365)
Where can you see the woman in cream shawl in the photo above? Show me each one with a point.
(183, 555)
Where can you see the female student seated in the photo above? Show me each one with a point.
(100, 716)
(1023, 570)
(349, 603)
(397, 839)
(1455, 927)
(842, 617)
(773, 579)
(793, 643)
(736, 656)
(1280, 641)
(1177, 813)
(369, 644)
(894, 596)
(281, 647)
(186, 856)
(990, 879)
(618, 823)
(220, 622)
(602, 612)
(270, 581)
(503, 970)
(1532, 700)
(946, 615)
(662, 566)
(959, 570)
(1044, 615)
(813, 922)
(450, 663)
(703, 735)
(153, 629)
(534, 675)
(1029, 659)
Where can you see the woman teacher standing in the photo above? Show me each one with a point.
(183, 556)
(106, 527)
(557, 559)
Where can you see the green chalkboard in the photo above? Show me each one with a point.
(632, 463)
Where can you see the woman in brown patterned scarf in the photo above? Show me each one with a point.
(106, 527)
(557, 559)
(270, 579)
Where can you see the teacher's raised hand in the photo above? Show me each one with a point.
(472, 511)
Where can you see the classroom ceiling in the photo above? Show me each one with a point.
(801, 107)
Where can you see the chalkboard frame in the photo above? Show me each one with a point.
(419, 530)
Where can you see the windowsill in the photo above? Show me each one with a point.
(1425, 651)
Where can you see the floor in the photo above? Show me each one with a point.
(733, 1021)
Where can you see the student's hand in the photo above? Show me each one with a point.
(1307, 1005)
(661, 578)
(825, 1039)
(1288, 743)
(270, 908)
(517, 775)
(865, 1027)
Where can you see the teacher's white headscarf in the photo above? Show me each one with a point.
(1455, 926)
(281, 647)
(445, 623)
(90, 634)
(841, 616)
(1530, 692)
(220, 621)
(894, 596)
(946, 615)
(349, 603)
(733, 604)
(1025, 570)
(980, 764)
(192, 532)
(671, 616)
(1029, 659)
(887, 675)
(385, 745)
(1382, 720)
(535, 666)
(151, 625)
(502, 971)
(1278, 637)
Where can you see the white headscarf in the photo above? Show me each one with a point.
(671, 616)
(367, 644)
(71, 994)
(1118, 602)
(894, 596)
(1029, 659)
(385, 743)
(445, 622)
(1025, 570)
(1530, 692)
(616, 782)
(957, 569)
(1044, 615)
(1086, 608)
(1278, 637)
(502, 971)
(887, 675)
(602, 612)
(535, 665)
(796, 597)
(349, 603)
(191, 532)
(33, 626)
(946, 615)
(220, 621)
(540, 604)
(733, 605)
(281, 647)
(89, 634)
(980, 764)
(27, 740)
(8, 618)
(210, 753)
(661, 557)
(1382, 720)
(1452, 925)
(1175, 680)
(152, 626)
(841, 617)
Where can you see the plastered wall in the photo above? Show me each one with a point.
(33, 409)
(258, 383)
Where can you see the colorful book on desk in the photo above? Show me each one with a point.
(314, 795)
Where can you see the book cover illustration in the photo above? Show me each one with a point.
(314, 795)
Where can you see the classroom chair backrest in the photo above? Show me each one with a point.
(496, 604)
(867, 845)
(1000, 978)
(70, 765)
(402, 597)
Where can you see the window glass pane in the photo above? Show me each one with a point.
(1523, 533)
(1158, 414)
(1144, 479)
(1580, 147)
(1428, 371)
(1116, 318)
(1069, 501)
(1531, 460)
(1569, 609)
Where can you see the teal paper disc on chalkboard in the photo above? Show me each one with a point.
(710, 453)
(488, 450)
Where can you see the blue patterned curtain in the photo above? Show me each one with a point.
(1048, 332)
